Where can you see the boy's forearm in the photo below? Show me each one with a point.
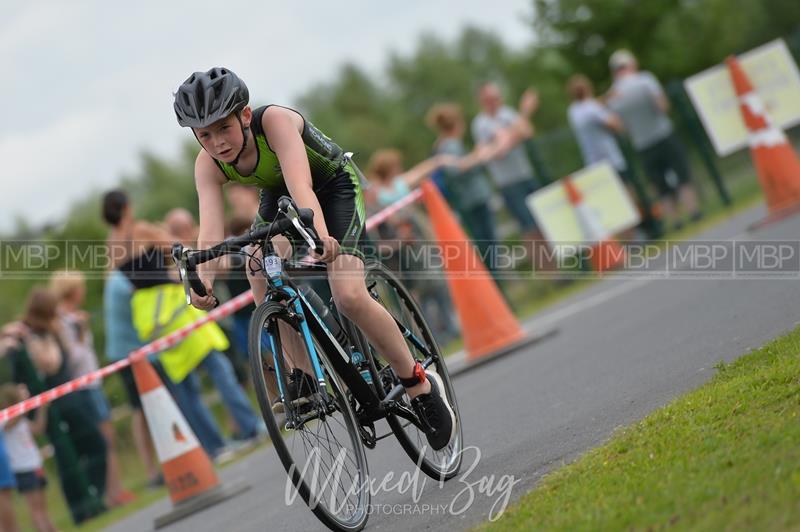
(205, 239)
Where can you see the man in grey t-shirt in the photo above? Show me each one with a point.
(511, 170)
(641, 103)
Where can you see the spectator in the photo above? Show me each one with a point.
(471, 188)
(8, 519)
(641, 103)
(119, 318)
(387, 185)
(70, 291)
(26, 460)
(80, 448)
(391, 182)
(244, 200)
(121, 340)
(237, 283)
(594, 126)
(180, 223)
(158, 307)
(385, 170)
(510, 168)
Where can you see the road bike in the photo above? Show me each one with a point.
(331, 417)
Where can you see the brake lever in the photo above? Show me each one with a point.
(179, 258)
(177, 252)
(189, 279)
(287, 207)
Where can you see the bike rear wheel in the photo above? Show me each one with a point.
(320, 446)
(385, 288)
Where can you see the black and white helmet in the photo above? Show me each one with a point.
(209, 96)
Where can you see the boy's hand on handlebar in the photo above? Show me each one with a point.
(206, 302)
(330, 250)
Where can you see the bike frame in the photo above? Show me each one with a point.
(280, 288)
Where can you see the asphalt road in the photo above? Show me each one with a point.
(623, 348)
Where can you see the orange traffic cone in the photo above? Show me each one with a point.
(188, 472)
(488, 325)
(607, 254)
(776, 163)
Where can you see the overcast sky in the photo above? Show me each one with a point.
(87, 85)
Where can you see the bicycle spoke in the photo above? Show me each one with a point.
(324, 450)
(391, 293)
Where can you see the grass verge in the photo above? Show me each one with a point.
(725, 456)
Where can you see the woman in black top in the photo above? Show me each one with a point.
(80, 449)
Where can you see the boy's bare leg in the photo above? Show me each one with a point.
(346, 277)
(291, 342)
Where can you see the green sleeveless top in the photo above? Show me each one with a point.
(325, 157)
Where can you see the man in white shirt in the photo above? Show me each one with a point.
(511, 169)
(594, 126)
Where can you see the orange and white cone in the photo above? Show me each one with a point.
(188, 472)
(776, 163)
(607, 253)
(488, 325)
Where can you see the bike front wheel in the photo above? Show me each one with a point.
(319, 445)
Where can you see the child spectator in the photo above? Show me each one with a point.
(24, 457)
(8, 520)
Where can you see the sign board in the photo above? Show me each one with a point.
(774, 76)
(603, 192)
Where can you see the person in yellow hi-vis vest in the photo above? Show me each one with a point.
(160, 310)
(181, 224)
(137, 250)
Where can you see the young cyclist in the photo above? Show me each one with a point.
(278, 150)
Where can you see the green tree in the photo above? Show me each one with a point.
(352, 109)
(163, 184)
(673, 38)
(364, 114)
